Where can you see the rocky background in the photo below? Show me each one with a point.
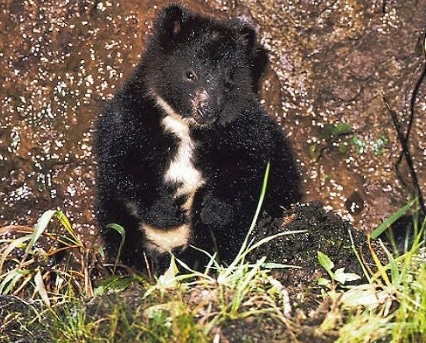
(338, 70)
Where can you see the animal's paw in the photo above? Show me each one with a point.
(216, 212)
(166, 211)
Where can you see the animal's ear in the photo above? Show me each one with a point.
(169, 23)
(247, 36)
(257, 54)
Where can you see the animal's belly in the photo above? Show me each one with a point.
(159, 241)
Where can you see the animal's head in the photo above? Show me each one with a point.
(200, 69)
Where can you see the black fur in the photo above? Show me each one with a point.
(199, 73)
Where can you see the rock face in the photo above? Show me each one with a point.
(336, 62)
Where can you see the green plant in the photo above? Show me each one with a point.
(392, 306)
(28, 262)
(339, 275)
(342, 136)
(193, 306)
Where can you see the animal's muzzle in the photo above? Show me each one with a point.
(205, 116)
(205, 109)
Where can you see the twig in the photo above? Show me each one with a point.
(413, 95)
(404, 138)
(406, 153)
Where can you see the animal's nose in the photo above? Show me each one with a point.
(205, 114)
(203, 96)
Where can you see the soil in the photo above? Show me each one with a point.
(338, 72)
(317, 231)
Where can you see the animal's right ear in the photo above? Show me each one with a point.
(169, 23)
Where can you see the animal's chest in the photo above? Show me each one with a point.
(180, 172)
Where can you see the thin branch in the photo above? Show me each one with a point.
(404, 138)
(406, 153)
(413, 94)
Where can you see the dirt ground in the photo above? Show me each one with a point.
(338, 71)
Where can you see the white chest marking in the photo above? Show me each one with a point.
(181, 169)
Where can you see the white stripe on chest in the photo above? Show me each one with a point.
(181, 170)
(182, 173)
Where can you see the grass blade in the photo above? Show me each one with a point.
(392, 219)
(41, 289)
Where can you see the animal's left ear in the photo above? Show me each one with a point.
(169, 23)
(247, 36)
(256, 53)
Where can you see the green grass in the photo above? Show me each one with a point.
(389, 309)
(61, 303)
(392, 306)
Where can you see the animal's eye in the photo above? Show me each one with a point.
(190, 75)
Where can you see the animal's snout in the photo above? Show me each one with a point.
(206, 108)
(203, 96)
